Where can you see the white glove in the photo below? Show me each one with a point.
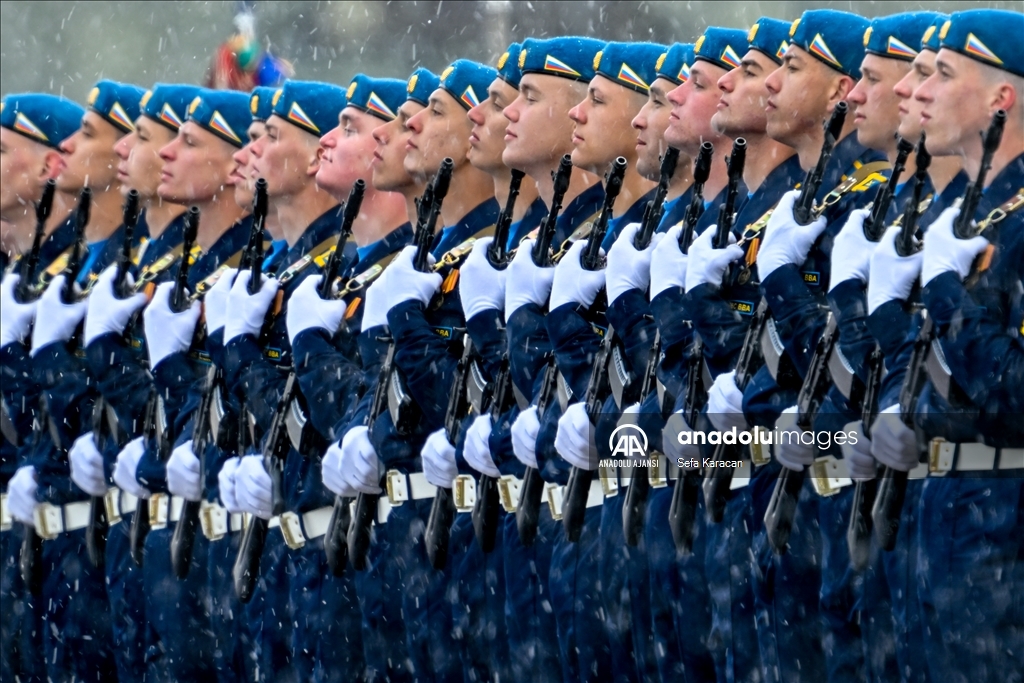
(575, 438)
(526, 282)
(227, 485)
(21, 494)
(668, 263)
(477, 450)
(107, 313)
(87, 465)
(168, 332)
(55, 320)
(438, 458)
(893, 443)
(306, 310)
(628, 268)
(785, 241)
(183, 473)
(215, 302)
(127, 465)
(793, 453)
(675, 426)
(254, 492)
(330, 472)
(481, 286)
(725, 403)
(405, 283)
(858, 455)
(15, 318)
(524, 437)
(709, 264)
(574, 284)
(377, 303)
(892, 275)
(247, 313)
(851, 251)
(360, 466)
(943, 252)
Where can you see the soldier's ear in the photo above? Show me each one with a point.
(842, 87)
(51, 165)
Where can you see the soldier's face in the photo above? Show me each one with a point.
(138, 154)
(741, 108)
(487, 136)
(388, 165)
(910, 107)
(197, 166)
(958, 102)
(539, 130)
(22, 173)
(287, 156)
(602, 129)
(693, 104)
(242, 174)
(650, 125)
(877, 114)
(347, 152)
(89, 158)
(440, 130)
(800, 93)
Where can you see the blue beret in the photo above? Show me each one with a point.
(168, 104)
(118, 103)
(380, 97)
(225, 113)
(771, 37)
(930, 39)
(675, 64)
(991, 36)
(568, 57)
(898, 36)
(722, 47)
(311, 105)
(466, 81)
(420, 85)
(508, 65)
(261, 102)
(631, 65)
(46, 119)
(835, 38)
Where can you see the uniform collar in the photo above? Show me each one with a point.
(530, 220)
(675, 210)
(319, 230)
(227, 245)
(585, 205)
(57, 242)
(634, 214)
(847, 151)
(390, 243)
(1004, 186)
(171, 237)
(484, 215)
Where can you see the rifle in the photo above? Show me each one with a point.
(893, 487)
(254, 249)
(140, 520)
(803, 208)
(247, 564)
(874, 224)
(574, 505)
(102, 426)
(727, 212)
(532, 490)
(350, 211)
(778, 519)
(497, 254)
(655, 208)
(67, 294)
(701, 172)
(635, 505)
(906, 244)
(30, 264)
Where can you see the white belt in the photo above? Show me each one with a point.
(5, 515)
(945, 456)
(556, 497)
(216, 522)
(118, 503)
(402, 487)
(384, 508)
(53, 520)
(309, 526)
(164, 508)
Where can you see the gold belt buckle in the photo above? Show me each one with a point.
(112, 503)
(214, 520)
(464, 489)
(609, 481)
(658, 473)
(291, 529)
(49, 521)
(820, 479)
(940, 456)
(555, 494)
(6, 521)
(158, 504)
(508, 489)
(398, 487)
(759, 452)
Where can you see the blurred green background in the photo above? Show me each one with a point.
(64, 47)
